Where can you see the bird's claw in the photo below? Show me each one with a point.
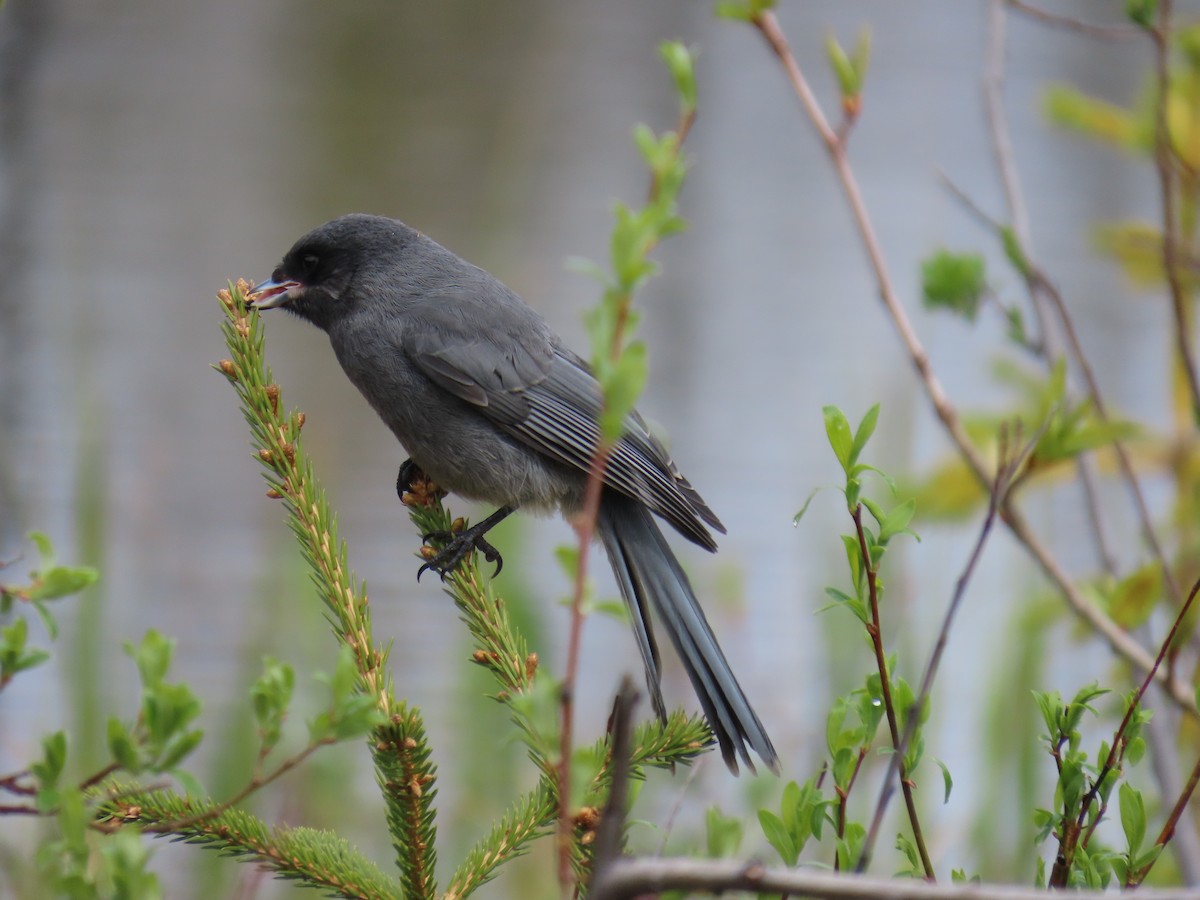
(409, 472)
(458, 546)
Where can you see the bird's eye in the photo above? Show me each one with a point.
(310, 263)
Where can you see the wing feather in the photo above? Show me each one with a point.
(546, 397)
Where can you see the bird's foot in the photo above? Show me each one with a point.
(414, 487)
(457, 546)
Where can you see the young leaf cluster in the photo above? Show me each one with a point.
(618, 362)
(1083, 789)
(49, 581)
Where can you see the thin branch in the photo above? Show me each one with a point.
(630, 878)
(768, 25)
(585, 527)
(1116, 752)
(1007, 469)
(1002, 148)
(875, 631)
(611, 831)
(256, 783)
(1102, 32)
(1176, 816)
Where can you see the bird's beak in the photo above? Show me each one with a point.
(270, 293)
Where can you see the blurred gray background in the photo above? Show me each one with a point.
(152, 151)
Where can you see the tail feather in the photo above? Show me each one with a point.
(649, 576)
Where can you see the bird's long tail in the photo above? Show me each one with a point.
(650, 578)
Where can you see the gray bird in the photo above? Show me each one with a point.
(489, 404)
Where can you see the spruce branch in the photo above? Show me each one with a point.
(399, 748)
(532, 817)
(318, 858)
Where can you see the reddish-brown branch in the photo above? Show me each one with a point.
(585, 528)
(1168, 829)
(875, 631)
(1006, 470)
(1073, 830)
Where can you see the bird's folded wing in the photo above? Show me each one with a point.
(548, 399)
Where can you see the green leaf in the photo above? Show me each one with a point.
(837, 429)
(14, 656)
(54, 759)
(649, 147)
(843, 68)
(1014, 252)
(849, 846)
(177, 749)
(853, 604)
(350, 714)
(724, 834)
(48, 770)
(1049, 703)
(122, 746)
(1075, 111)
(870, 708)
(45, 548)
(954, 281)
(61, 581)
(1135, 749)
(950, 492)
(1136, 596)
(946, 779)
(126, 857)
(744, 10)
(1137, 248)
(47, 619)
(863, 433)
(1133, 817)
(681, 63)
(896, 521)
(152, 656)
(779, 837)
(622, 389)
(862, 55)
(803, 509)
(613, 609)
(1148, 858)
(911, 856)
(271, 695)
(838, 737)
(1016, 331)
(49, 581)
(1142, 12)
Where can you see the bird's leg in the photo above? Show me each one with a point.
(460, 543)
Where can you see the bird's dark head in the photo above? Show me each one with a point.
(317, 278)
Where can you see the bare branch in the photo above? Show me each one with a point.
(630, 878)
(1101, 32)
